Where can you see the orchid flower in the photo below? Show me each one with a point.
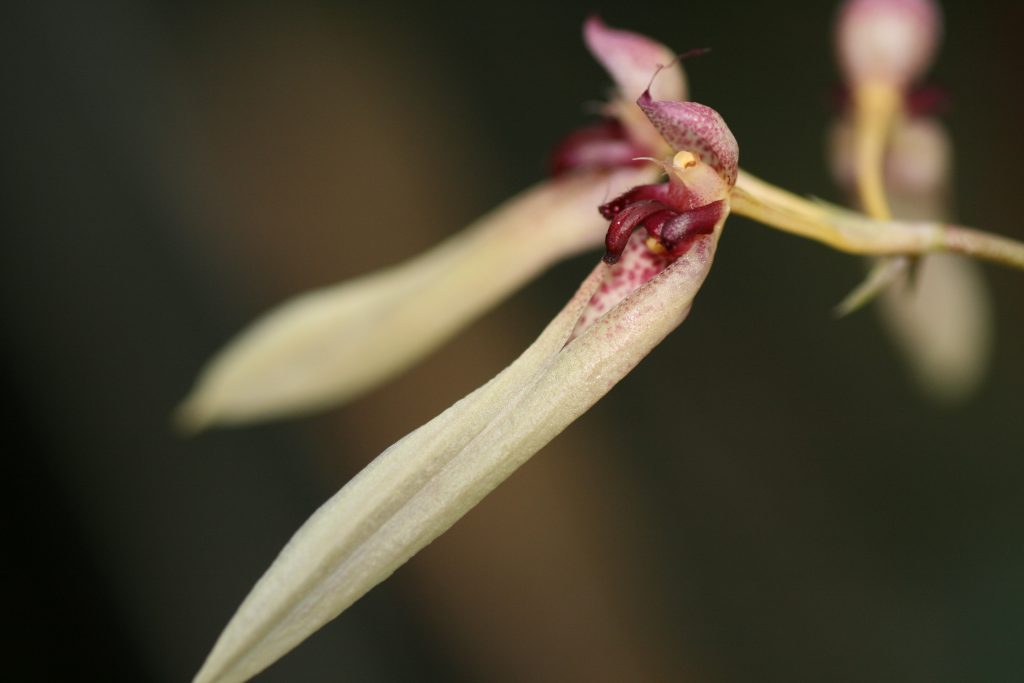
(883, 47)
(660, 241)
(419, 487)
(330, 345)
(898, 159)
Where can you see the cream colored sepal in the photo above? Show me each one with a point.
(330, 345)
(420, 486)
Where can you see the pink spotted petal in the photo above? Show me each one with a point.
(633, 60)
(693, 127)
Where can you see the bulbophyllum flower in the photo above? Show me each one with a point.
(897, 160)
(660, 240)
(883, 47)
(423, 484)
(327, 346)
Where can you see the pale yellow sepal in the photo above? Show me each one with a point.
(327, 346)
(419, 487)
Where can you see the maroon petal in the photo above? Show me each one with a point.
(601, 146)
(623, 225)
(659, 192)
(677, 233)
(655, 221)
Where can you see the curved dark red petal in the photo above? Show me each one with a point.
(659, 192)
(678, 233)
(600, 146)
(624, 223)
(656, 221)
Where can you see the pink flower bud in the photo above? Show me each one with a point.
(888, 41)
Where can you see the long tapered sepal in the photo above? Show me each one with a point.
(419, 487)
(330, 345)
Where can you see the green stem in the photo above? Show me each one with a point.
(855, 233)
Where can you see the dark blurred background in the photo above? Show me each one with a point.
(768, 497)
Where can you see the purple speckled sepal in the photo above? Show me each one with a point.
(692, 127)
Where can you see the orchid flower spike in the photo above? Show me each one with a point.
(424, 483)
(330, 345)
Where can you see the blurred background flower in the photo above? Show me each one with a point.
(765, 498)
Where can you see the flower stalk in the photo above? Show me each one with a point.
(854, 233)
